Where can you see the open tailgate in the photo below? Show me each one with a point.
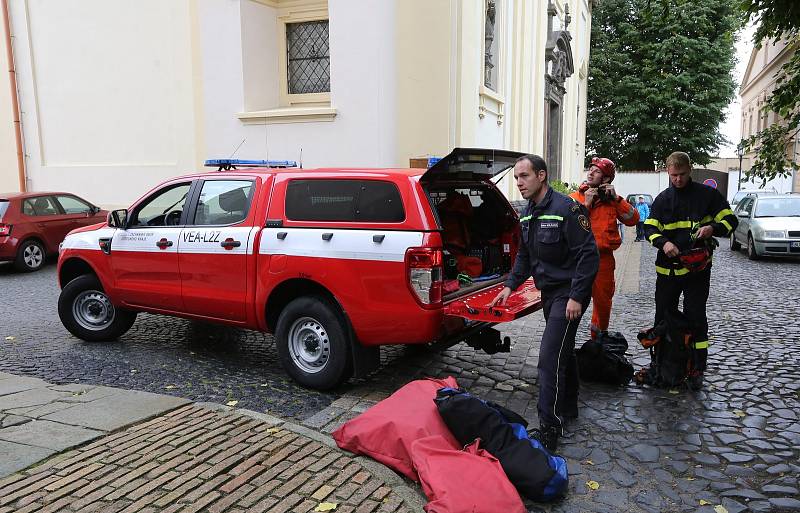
(475, 307)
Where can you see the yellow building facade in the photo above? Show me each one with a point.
(758, 83)
(116, 96)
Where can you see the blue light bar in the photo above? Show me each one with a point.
(234, 163)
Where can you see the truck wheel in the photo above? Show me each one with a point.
(31, 256)
(313, 343)
(87, 313)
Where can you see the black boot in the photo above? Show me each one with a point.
(547, 436)
(695, 380)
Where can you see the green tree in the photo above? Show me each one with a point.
(660, 78)
(774, 145)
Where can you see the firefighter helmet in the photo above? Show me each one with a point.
(606, 166)
(696, 259)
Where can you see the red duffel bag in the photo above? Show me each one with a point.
(386, 431)
(465, 481)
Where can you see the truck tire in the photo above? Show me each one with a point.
(87, 313)
(31, 256)
(313, 343)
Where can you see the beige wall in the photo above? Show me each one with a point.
(9, 174)
(760, 80)
(106, 94)
(118, 96)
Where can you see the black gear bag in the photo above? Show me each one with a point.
(534, 471)
(671, 346)
(603, 359)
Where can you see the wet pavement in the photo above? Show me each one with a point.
(734, 444)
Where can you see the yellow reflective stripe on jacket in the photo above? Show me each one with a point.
(667, 272)
(722, 213)
(526, 218)
(701, 345)
(654, 222)
(727, 225)
(677, 225)
(552, 217)
(654, 237)
(706, 219)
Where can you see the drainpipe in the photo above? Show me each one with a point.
(12, 75)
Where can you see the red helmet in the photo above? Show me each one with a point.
(606, 166)
(696, 259)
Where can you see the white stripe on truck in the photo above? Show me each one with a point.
(344, 244)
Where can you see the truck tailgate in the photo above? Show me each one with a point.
(476, 307)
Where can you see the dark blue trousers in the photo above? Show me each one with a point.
(558, 369)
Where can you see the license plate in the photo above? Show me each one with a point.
(796, 244)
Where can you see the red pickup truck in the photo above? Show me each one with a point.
(333, 262)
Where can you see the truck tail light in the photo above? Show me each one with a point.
(424, 267)
(5, 230)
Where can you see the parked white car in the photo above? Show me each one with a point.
(769, 225)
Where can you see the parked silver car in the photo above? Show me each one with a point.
(740, 195)
(769, 225)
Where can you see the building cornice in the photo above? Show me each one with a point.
(778, 60)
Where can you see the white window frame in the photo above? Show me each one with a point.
(293, 108)
(299, 13)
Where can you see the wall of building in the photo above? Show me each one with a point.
(758, 83)
(650, 183)
(119, 96)
(106, 94)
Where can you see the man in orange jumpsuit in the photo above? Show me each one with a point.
(605, 207)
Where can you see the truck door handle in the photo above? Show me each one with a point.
(229, 243)
(378, 238)
(281, 235)
(164, 243)
(327, 236)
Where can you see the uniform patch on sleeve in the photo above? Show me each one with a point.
(584, 222)
(575, 208)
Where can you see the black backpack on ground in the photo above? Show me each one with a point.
(671, 346)
(603, 359)
(534, 471)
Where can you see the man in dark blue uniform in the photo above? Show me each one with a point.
(559, 251)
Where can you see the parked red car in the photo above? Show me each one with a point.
(33, 224)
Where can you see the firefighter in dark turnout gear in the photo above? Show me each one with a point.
(559, 251)
(683, 218)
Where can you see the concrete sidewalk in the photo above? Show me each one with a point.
(109, 450)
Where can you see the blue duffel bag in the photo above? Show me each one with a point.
(534, 471)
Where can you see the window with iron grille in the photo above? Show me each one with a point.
(308, 57)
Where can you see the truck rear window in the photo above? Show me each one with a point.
(3, 208)
(344, 200)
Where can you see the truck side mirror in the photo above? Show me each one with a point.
(118, 218)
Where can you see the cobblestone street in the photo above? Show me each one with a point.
(735, 443)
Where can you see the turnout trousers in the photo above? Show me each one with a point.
(603, 294)
(695, 288)
(558, 369)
